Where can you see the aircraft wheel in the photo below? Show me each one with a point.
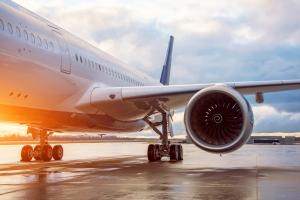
(27, 153)
(58, 152)
(157, 152)
(174, 152)
(180, 152)
(151, 153)
(47, 152)
(37, 152)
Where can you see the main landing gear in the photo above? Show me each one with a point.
(42, 151)
(165, 149)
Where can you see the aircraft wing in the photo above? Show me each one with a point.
(174, 96)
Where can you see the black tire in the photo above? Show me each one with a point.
(37, 152)
(157, 150)
(173, 152)
(151, 153)
(57, 152)
(26, 153)
(180, 152)
(47, 153)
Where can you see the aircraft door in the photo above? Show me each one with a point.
(65, 59)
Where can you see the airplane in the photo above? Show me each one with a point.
(52, 81)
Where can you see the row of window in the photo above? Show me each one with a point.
(103, 68)
(27, 36)
(43, 43)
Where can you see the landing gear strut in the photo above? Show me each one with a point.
(165, 149)
(42, 151)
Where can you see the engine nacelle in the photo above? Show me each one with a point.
(218, 119)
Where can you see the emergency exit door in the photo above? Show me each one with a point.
(65, 58)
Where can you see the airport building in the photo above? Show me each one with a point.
(287, 140)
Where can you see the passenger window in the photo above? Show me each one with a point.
(76, 57)
(51, 46)
(25, 35)
(9, 28)
(18, 31)
(80, 59)
(39, 41)
(45, 44)
(32, 37)
(99, 67)
(1, 25)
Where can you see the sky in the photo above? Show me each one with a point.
(215, 41)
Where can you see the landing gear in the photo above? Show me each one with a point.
(57, 152)
(27, 153)
(157, 151)
(154, 152)
(37, 152)
(42, 151)
(176, 152)
(46, 152)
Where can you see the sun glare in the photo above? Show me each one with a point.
(8, 129)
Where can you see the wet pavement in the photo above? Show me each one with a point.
(121, 171)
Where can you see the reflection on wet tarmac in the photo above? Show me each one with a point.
(100, 171)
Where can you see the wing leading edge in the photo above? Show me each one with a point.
(175, 96)
(244, 88)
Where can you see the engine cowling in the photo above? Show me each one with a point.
(218, 119)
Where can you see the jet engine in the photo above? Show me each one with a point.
(218, 119)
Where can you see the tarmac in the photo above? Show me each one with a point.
(122, 171)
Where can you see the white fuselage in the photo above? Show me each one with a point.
(45, 71)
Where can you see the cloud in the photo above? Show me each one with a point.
(269, 119)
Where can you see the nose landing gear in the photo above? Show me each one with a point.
(42, 151)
